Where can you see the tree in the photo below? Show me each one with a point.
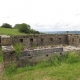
(35, 32)
(6, 25)
(25, 28)
(17, 26)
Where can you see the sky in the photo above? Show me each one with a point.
(42, 15)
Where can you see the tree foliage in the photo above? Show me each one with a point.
(17, 26)
(25, 28)
(35, 32)
(6, 25)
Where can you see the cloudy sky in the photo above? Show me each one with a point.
(42, 15)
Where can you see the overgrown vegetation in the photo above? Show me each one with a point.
(64, 67)
(18, 48)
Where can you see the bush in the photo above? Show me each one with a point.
(73, 58)
(54, 60)
(18, 48)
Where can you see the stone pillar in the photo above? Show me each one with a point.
(6, 40)
(9, 56)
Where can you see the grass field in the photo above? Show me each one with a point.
(65, 67)
(10, 31)
(61, 72)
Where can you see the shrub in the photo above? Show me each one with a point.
(18, 48)
(73, 58)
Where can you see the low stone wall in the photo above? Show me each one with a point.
(27, 56)
(37, 55)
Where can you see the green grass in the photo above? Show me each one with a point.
(65, 67)
(9, 31)
(61, 72)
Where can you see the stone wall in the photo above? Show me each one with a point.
(47, 39)
(37, 55)
(74, 39)
(27, 56)
(34, 56)
(40, 40)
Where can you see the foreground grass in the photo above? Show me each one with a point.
(66, 67)
(61, 72)
(9, 31)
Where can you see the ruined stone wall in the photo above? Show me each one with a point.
(74, 39)
(33, 56)
(30, 56)
(37, 55)
(40, 40)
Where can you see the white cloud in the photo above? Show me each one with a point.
(47, 13)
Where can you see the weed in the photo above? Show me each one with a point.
(18, 48)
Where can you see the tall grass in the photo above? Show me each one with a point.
(69, 58)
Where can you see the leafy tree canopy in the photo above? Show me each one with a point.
(6, 25)
(25, 28)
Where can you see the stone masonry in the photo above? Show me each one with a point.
(33, 56)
